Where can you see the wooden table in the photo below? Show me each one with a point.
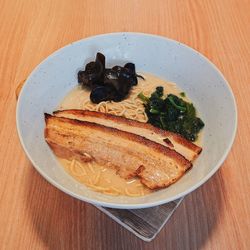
(34, 214)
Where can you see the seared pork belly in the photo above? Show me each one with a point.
(130, 154)
(174, 141)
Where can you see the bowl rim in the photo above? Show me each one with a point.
(135, 205)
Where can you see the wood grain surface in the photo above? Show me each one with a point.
(34, 214)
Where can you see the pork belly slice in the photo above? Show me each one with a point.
(172, 140)
(131, 155)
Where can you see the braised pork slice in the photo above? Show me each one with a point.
(174, 141)
(130, 154)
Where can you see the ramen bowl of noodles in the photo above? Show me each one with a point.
(53, 86)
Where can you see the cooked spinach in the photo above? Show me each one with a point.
(172, 113)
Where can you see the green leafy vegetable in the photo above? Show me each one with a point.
(143, 97)
(172, 113)
(172, 99)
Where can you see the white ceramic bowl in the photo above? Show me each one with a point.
(168, 59)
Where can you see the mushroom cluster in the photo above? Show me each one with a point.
(108, 84)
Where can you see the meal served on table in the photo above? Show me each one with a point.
(122, 133)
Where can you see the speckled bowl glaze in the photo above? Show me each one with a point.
(51, 80)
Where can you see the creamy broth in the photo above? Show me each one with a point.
(102, 178)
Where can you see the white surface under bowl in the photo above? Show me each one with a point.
(198, 77)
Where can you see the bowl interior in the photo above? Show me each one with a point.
(168, 59)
